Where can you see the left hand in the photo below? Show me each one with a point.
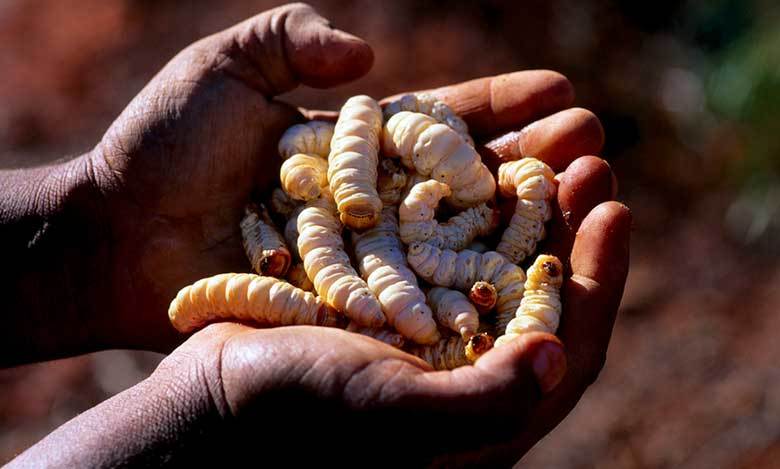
(181, 161)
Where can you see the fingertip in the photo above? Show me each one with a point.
(537, 353)
(557, 139)
(492, 105)
(587, 182)
(587, 127)
(541, 92)
(551, 88)
(613, 216)
(601, 247)
(549, 365)
(320, 55)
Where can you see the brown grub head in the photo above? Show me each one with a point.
(477, 345)
(275, 263)
(483, 295)
(551, 268)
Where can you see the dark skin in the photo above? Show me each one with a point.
(156, 205)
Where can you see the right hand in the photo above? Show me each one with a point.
(318, 395)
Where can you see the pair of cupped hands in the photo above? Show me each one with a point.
(175, 170)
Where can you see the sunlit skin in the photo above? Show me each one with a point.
(165, 189)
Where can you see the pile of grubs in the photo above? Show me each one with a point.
(358, 237)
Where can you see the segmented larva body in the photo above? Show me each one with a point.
(437, 151)
(263, 245)
(281, 204)
(247, 297)
(447, 354)
(412, 179)
(298, 278)
(383, 264)
(291, 231)
(304, 176)
(461, 270)
(418, 223)
(427, 104)
(391, 182)
(484, 296)
(534, 184)
(327, 264)
(454, 311)
(452, 352)
(353, 160)
(304, 148)
(310, 138)
(382, 334)
(540, 309)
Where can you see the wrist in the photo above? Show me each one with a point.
(52, 223)
(167, 419)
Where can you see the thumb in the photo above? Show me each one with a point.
(505, 382)
(276, 50)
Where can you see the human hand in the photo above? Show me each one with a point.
(318, 395)
(295, 395)
(180, 162)
(327, 386)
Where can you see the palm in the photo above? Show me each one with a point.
(384, 401)
(187, 165)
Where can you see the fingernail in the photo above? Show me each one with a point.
(549, 365)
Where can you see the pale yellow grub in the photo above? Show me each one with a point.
(461, 270)
(418, 222)
(454, 311)
(321, 247)
(533, 182)
(353, 161)
(383, 265)
(427, 104)
(247, 297)
(436, 151)
(263, 245)
(305, 147)
(540, 309)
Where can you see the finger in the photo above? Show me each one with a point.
(286, 46)
(495, 104)
(587, 182)
(491, 105)
(557, 139)
(590, 302)
(486, 402)
(599, 262)
(503, 382)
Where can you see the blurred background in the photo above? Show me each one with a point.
(686, 92)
